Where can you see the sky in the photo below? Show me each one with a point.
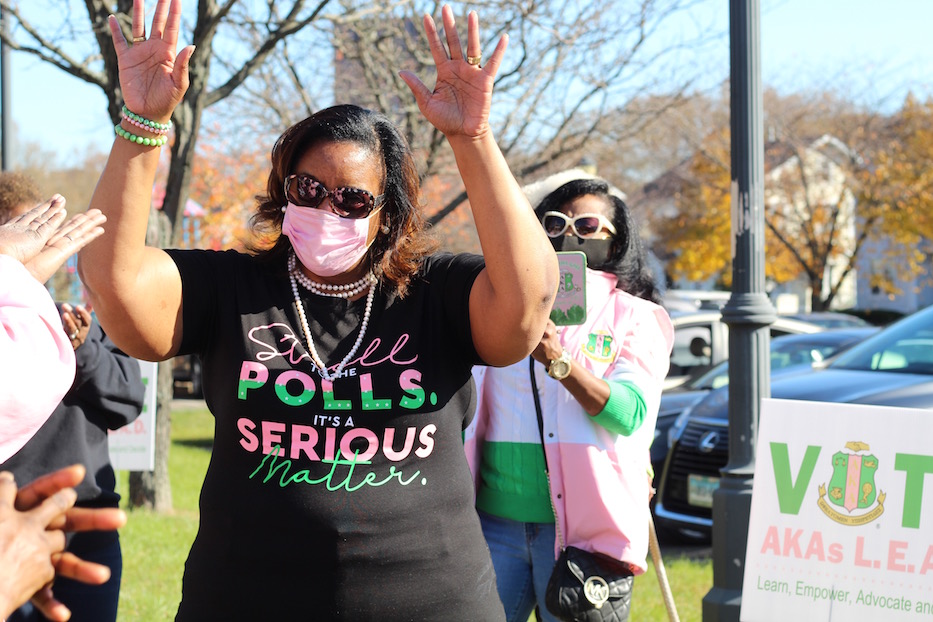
(874, 51)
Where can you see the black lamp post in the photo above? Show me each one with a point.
(4, 96)
(748, 313)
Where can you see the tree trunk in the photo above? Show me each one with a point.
(816, 295)
(153, 489)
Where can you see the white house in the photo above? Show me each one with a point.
(798, 182)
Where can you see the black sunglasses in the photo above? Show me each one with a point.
(305, 191)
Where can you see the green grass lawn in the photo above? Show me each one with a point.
(689, 581)
(155, 545)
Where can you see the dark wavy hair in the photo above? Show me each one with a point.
(395, 256)
(628, 259)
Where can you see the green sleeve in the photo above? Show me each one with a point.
(625, 410)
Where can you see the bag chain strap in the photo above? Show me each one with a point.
(547, 472)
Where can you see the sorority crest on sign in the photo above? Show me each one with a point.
(852, 487)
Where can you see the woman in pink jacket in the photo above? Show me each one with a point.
(37, 367)
(599, 386)
(37, 360)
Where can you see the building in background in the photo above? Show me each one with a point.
(809, 186)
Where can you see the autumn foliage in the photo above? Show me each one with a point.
(825, 202)
(225, 182)
(698, 240)
(896, 190)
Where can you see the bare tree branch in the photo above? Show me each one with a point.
(47, 50)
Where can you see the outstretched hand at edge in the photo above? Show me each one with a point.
(28, 543)
(24, 236)
(38, 494)
(76, 233)
(40, 241)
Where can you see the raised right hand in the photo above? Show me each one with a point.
(153, 78)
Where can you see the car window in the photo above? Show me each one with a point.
(905, 347)
(913, 356)
(683, 357)
(805, 354)
(717, 377)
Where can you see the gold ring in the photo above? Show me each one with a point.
(139, 39)
(474, 60)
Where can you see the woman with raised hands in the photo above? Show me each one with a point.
(336, 359)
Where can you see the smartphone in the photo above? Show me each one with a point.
(570, 304)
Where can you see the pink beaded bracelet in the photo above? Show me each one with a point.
(160, 130)
(146, 124)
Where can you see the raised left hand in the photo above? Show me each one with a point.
(460, 102)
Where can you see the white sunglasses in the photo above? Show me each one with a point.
(582, 225)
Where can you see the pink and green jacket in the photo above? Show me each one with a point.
(599, 481)
(37, 361)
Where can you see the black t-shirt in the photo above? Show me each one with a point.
(348, 500)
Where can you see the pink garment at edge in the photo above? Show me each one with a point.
(37, 362)
(599, 480)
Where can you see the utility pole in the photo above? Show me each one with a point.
(748, 313)
(4, 95)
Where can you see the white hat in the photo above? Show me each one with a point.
(536, 191)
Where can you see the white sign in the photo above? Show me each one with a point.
(840, 528)
(132, 447)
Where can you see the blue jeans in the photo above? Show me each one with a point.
(523, 556)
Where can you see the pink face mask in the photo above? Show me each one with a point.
(325, 243)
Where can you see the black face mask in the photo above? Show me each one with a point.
(596, 251)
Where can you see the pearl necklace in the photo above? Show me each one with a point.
(315, 357)
(348, 290)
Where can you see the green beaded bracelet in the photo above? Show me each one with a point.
(161, 127)
(142, 140)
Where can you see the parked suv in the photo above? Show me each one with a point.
(893, 367)
(786, 351)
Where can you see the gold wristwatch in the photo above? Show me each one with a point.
(559, 368)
